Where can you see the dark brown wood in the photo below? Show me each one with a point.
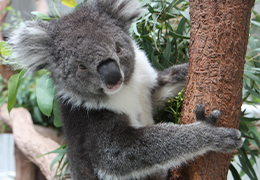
(219, 36)
(25, 169)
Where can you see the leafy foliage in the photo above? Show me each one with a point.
(163, 33)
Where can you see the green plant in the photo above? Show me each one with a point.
(163, 32)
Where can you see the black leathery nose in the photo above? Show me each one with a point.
(109, 72)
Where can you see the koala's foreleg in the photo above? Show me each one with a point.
(169, 83)
(140, 152)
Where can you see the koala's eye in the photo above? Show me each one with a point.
(82, 67)
(118, 50)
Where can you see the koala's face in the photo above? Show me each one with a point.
(89, 51)
(93, 58)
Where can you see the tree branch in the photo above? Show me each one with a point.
(29, 141)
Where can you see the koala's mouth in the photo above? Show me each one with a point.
(114, 87)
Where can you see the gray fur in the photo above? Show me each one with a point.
(109, 127)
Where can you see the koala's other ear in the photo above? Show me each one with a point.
(124, 11)
(32, 45)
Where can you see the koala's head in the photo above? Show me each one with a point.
(89, 52)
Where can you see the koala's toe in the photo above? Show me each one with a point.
(200, 112)
(213, 117)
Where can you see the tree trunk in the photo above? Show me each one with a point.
(218, 44)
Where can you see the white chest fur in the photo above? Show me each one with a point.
(134, 99)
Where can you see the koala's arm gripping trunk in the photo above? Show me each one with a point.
(110, 148)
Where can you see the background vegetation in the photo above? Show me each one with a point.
(163, 33)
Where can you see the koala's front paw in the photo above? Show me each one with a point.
(213, 117)
(228, 139)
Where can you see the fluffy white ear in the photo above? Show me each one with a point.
(32, 45)
(122, 10)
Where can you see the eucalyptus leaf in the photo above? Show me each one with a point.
(179, 35)
(249, 119)
(255, 23)
(186, 15)
(56, 159)
(234, 172)
(155, 62)
(246, 165)
(57, 115)
(181, 26)
(252, 91)
(252, 76)
(45, 94)
(5, 48)
(65, 165)
(256, 139)
(13, 86)
(41, 16)
(243, 127)
(69, 3)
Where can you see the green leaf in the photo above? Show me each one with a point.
(4, 126)
(234, 172)
(56, 159)
(57, 115)
(45, 94)
(252, 76)
(181, 26)
(246, 165)
(255, 23)
(178, 35)
(69, 3)
(65, 165)
(6, 49)
(13, 86)
(254, 93)
(173, 4)
(186, 15)
(256, 139)
(256, 15)
(37, 115)
(166, 55)
(246, 119)
(167, 51)
(155, 62)
(41, 15)
(243, 127)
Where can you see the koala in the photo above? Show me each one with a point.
(107, 91)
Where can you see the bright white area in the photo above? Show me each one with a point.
(7, 160)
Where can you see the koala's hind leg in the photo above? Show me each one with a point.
(169, 83)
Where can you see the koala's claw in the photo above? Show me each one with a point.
(200, 113)
(213, 117)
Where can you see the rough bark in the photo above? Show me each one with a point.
(219, 36)
(31, 143)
